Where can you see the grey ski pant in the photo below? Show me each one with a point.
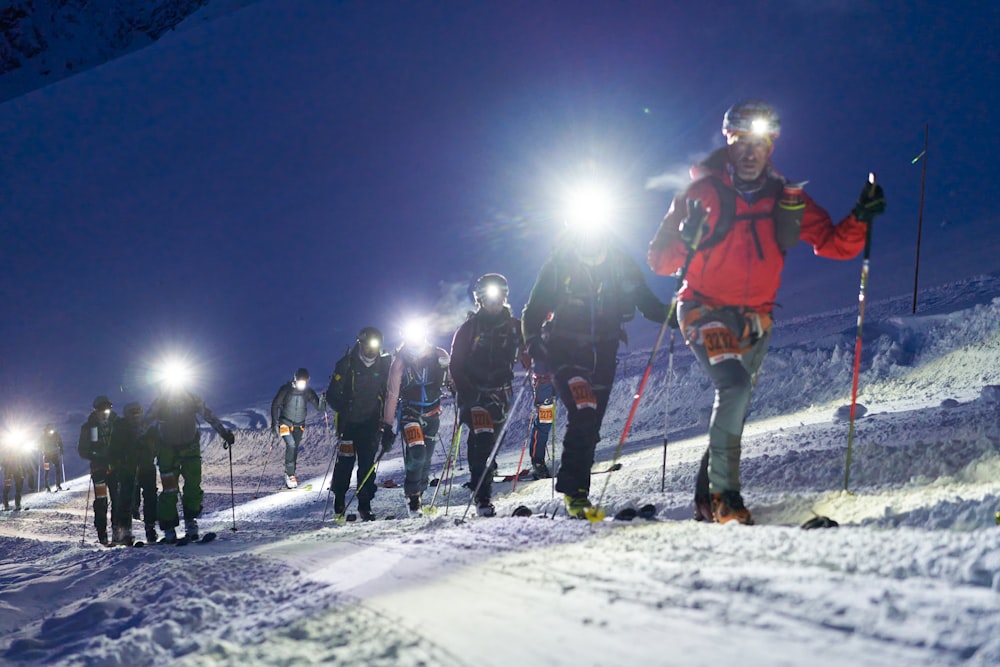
(734, 380)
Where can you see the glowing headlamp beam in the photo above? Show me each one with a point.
(589, 208)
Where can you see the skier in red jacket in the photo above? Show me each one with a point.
(738, 218)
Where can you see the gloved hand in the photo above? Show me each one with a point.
(537, 349)
(694, 226)
(276, 431)
(388, 437)
(871, 202)
(229, 437)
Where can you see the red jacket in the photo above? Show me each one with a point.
(743, 268)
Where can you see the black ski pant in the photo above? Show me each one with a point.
(357, 445)
(14, 477)
(51, 460)
(146, 488)
(582, 380)
(484, 418)
(122, 489)
(99, 477)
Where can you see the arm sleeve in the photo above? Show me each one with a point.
(841, 241)
(638, 289)
(314, 398)
(83, 445)
(207, 414)
(540, 303)
(276, 405)
(666, 251)
(459, 358)
(392, 391)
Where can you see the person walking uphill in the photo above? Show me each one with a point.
(736, 220)
(483, 353)
(572, 324)
(125, 452)
(94, 446)
(52, 455)
(288, 418)
(417, 376)
(357, 393)
(176, 413)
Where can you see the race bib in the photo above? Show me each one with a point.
(546, 412)
(413, 434)
(720, 343)
(346, 448)
(482, 422)
(284, 429)
(582, 394)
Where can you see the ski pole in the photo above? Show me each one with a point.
(86, 507)
(666, 410)
(232, 488)
(256, 493)
(857, 341)
(456, 436)
(371, 471)
(62, 464)
(496, 446)
(595, 513)
(334, 450)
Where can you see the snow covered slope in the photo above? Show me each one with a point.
(43, 41)
(911, 576)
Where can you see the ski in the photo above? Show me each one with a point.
(307, 487)
(647, 512)
(204, 539)
(510, 478)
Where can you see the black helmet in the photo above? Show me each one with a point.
(370, 341)
(302, 374)
(491, 287)
(102, 402)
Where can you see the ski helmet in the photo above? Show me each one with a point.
(751, 117)
(302, 374)
(491, 287)
(102, 402)
(370, 341)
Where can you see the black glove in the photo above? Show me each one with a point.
(871, 202)
(276, 431)
(229, 437)
(694, 226)
(537, 349)
(388, 437)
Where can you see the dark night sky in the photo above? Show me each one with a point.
(255, 189)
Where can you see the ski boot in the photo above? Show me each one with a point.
(48, 489)
(414, 506)
(117, 536)
(365, 510)
(291, 482)
(728, 506)
(170, 535)
(151, 536)
(484, 508)
(191, 529)
(703, 508)
(102, 536)
(339, 506)
(540, 471)
(577, 505)
(59, 487)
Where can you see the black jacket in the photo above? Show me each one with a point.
(357, 390)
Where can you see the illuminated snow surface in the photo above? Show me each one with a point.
(911, 576)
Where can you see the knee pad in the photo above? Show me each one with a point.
(100, 490)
